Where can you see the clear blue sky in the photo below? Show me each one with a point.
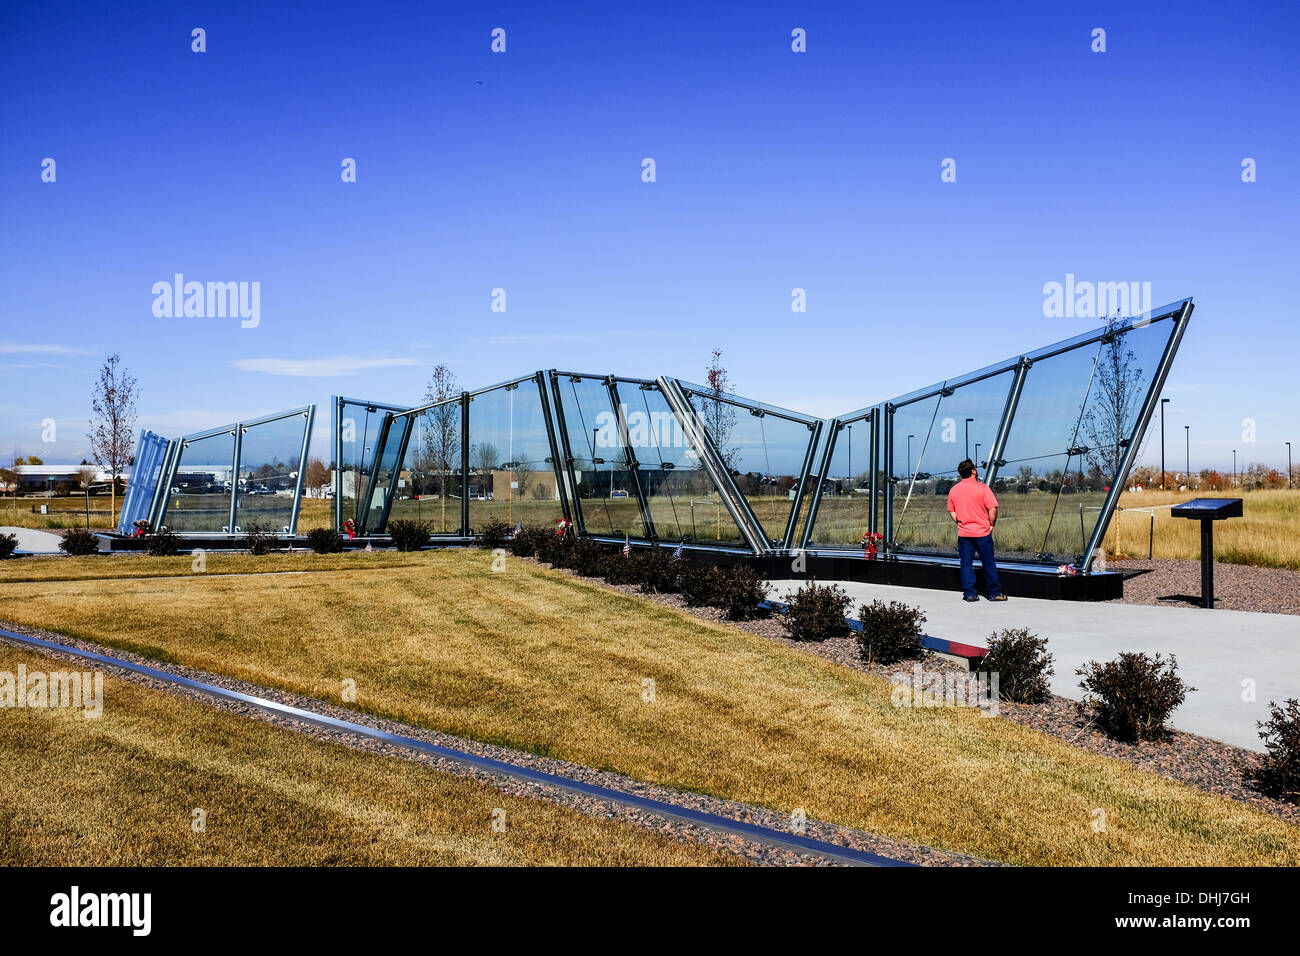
(522, 170)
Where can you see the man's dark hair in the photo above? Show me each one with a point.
(966, 468)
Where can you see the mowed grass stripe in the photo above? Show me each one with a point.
(534, 659)
(121, 789)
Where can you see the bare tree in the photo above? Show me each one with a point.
(719, 415)
(442, 430)
(112, 423)
(1113, 405)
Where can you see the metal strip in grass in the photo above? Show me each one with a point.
(712, 821)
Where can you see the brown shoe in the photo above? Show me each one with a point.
(1000, 597)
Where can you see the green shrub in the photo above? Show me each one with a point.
(495, 533)
(325, 540)
(698, 584)
(408, 535)
(1131, 697)
(79, 541)
(162, 543)
(1021, 661)
(890, 632)
(8, 544)
(259, 540)
(586, 557)
(528, 541)
(817, 612)
(1278, 771)
(553, 549)
(619, 569)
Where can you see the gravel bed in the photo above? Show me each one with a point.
(1207, 765)
(751, 850)
(1237, 587)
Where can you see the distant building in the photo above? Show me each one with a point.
(59, 479)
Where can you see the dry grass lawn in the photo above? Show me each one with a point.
(534, 659)
(121, 790)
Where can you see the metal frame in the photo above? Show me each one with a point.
(760, 409)
(882, 437)
(237, 429)
(336, 423)
(833, 429)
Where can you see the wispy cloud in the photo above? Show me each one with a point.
(187, 420)
(318, 367)
(24, 348)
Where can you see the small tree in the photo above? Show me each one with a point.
(316, 476)
(442, 430)
(720, 416)
(112, 423)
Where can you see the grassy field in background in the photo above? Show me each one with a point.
(534, 659)
(120, 790)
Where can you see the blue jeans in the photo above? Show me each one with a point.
(966, 549)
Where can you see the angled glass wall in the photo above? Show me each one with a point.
(200, 492)
(842, 493)
(357, 424)
(430, 482)
(272, 454)
(146, 473)
(512, 476)
(1077, 414)
(607, 497)
(931, 436)
(1053, 432)
(766, 450)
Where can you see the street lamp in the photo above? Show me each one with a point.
(977, 453)
(1234, 468)
(1288, 465)
(968, 421)
(909, 454)
(1163, 403)
(852, 483)
(1187, 430)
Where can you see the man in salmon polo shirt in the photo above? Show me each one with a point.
(972, 505)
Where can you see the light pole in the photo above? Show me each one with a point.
(1187, 430)
(852, 483)
(595, 472)
(1288, 465)
(1234, 468)
(968, 421)
(909, 455)
(1163, 403)
(977, 453)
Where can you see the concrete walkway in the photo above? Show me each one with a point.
(35, 542)
(1218, 651)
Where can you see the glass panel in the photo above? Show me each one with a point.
(1088, 401)
(511, 475)
(684, 503)
(965, 426)
(270, 455)
(386, 474)
(602, 485)
(150, 452)
(844, 512)
(918, 448)
(429, 481)
(359, 424)
(764, 452)
(201, 488)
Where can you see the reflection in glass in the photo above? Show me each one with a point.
(844, 511)
(605, 497)
(429, 481)
(150, 455)
(199, 498)
(763, 451)
(358, 426)
(270, 454)
(511, 474)
(931, 437)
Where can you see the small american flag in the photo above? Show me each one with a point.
(677, 551)
(627, 546)
(519, 527)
